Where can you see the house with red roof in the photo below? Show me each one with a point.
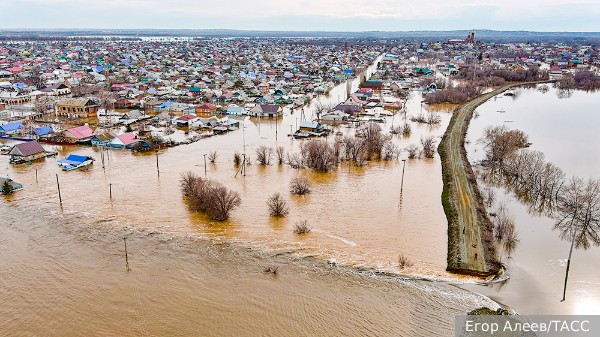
(80, 134)
(124, 141)
(186, 120)
(205, 110)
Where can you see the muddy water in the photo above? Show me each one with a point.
(565, 130)
(357, 214)
(64, 264)
(62, 274)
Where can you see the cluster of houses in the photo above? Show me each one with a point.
(146, 73)
(404, 65)
(48, 86)
(192, 83)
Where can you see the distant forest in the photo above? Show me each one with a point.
(486, 36)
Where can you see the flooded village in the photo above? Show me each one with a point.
(265, 184)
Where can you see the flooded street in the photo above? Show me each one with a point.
(65, 264)
(357, 215)
(564, 129)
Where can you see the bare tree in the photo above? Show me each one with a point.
(499, 142)
(318, 155)
(374, 140)
(280, 154)
(300, 186)
(263, 155)
(429, 147)
(278, 207)
(433, 118)
(413, 151)
(208, 196)
(295, 160)
(406, 130)
(321, 108)
(355, 149)
(223, 202)
(579, 216)
(390, 151)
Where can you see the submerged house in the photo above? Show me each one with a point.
(74, 161)
(83, 107)
(186, 120)
(314, 127)
(80, 134)
(44, 132)
(11, 129)
(235, 110)
(11, 183)
(25, 152)
(266, 110)
(102, 139)
(124, 141)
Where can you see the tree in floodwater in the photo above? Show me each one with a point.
(6, 188)
(579, 217)
(499, 142)
(208, 196)
(278, 207)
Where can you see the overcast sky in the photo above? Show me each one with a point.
(329, 15)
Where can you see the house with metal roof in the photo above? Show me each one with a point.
(124, 141)
(80, 134)
(11, 129)
(27, 151)
(84, 107)
(266, 110)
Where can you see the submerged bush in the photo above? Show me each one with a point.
(318, 155)
(404, 262)
(301, 227)
(209, 196)
(277, 205)
(263, 155)
(300, 186)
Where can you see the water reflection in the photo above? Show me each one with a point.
(560, 129)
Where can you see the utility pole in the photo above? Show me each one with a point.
(569, 262)
(204, 165)
(402, 181)
(244, 165)
(126, 257)
(157, 168)
(58, 185)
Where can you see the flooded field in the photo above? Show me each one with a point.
(65, 262)
(563, 127)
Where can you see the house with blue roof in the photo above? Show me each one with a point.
(43, 132)
(11, 129)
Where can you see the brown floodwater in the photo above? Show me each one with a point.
(62, 266)
(565, 129)
(63, 274)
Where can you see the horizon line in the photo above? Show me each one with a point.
(2, 29)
